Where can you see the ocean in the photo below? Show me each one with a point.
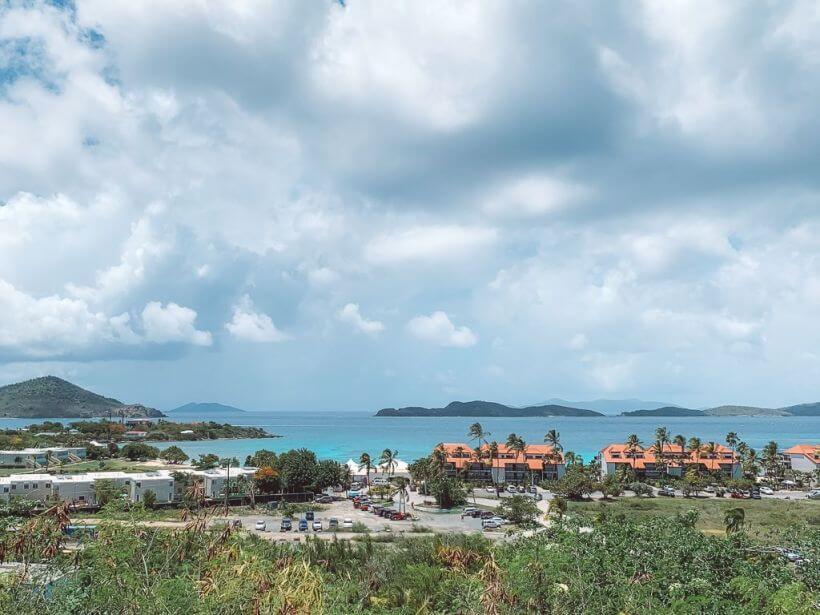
(347, 434)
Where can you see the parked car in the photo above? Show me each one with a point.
(412, 486)
(364, 506)
(347, 523)
(667, 491)
(324, 499)
(333, 524)
(352, 494)
(286, 525)
(309, 515)
(486, 514)
(511, 489)
(767, 491)
(490, 489)
(468, 510)
(521, 489)
(260, 526)
(814, 494)
(317, 525)
(739, 495)
(710, 489)
(490, 524)
(532, 489)
(303, 525)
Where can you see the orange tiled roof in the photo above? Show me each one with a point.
(812, 451)
(641, 456)
(534, 456)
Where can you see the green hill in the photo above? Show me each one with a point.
(665, 411)
(52, 397)
(746, 411)
(486, 408)
(206, 409)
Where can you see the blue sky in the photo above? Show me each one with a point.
(310, 206)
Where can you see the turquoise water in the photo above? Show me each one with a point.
(342, 435)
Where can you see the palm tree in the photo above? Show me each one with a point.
(439, 458)
(694, 447)
(492, 453)
(571, 458)
(553, 438)
(633, 442)
(734, 520)
(478, 434)
(680, 440)
(367, 463)
(389, 461)
(732, 440)
(516, 443)
(657, 451)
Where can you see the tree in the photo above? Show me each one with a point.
(640, 489)
(680, 440)
(771, 461)
(139, 450)
(106, 490)
(329, 473)
(516, 444)
(262, 459)
(149, 499)
(267, 479)
(732, 441)
(206, 461)
(298, 469)
(389, 461)
(558, 507)
(692, 483)
(553, 438)
(519, 509)
(575, 484)
(366, 463)
(174, 454)
(633, 443)
(695, 446)
(449, 492)
(734, 520)
(477, 434)
(610, 486)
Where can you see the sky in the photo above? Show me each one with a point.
(309, 205)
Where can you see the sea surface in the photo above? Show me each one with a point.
(343, 435)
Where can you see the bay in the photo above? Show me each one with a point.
(342, 435)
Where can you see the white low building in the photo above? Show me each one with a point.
(160, 482)
(27, 486)
(37, 457)
(215, 479)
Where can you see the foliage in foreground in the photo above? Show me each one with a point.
(661, 565)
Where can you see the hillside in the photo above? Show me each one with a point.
(486, 408)
(609, 406)
(803, 409)
(671, 411)
(52, 397)
(745, 411)
(206, 409)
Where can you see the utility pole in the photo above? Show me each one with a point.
(227, 485)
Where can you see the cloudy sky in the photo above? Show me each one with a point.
(300, 205)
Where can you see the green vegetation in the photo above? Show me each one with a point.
(49, 397)
(622, 565)
(763, 518)
(487, 408)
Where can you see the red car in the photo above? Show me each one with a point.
(364, 506)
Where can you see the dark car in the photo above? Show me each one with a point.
(309, 515)
(324, 499)
(286, 525)
(303, 525)
(385, 512)
(486, 514)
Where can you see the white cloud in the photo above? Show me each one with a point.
(350, 314)
(533, 195)
(438, 329)
(252, 326)
(429, 243)
(172, 323)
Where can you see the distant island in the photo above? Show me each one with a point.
(674, 411)
(493, 409)
(52, 397)
(487, 408)
(206, 409)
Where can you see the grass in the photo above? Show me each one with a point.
(762, 516)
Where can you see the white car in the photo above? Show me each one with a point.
(468, 510)
(511, 489)
(317, 525)
(260, 526)
(814, 494)
(499, 520)
(490, 489)
(490, 524)
(767, 491)
(347, 523)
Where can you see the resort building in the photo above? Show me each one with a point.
(26, 486)
(38, 457)
(536, 462)
(673, 460)
(215, 479)
(803, 457)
